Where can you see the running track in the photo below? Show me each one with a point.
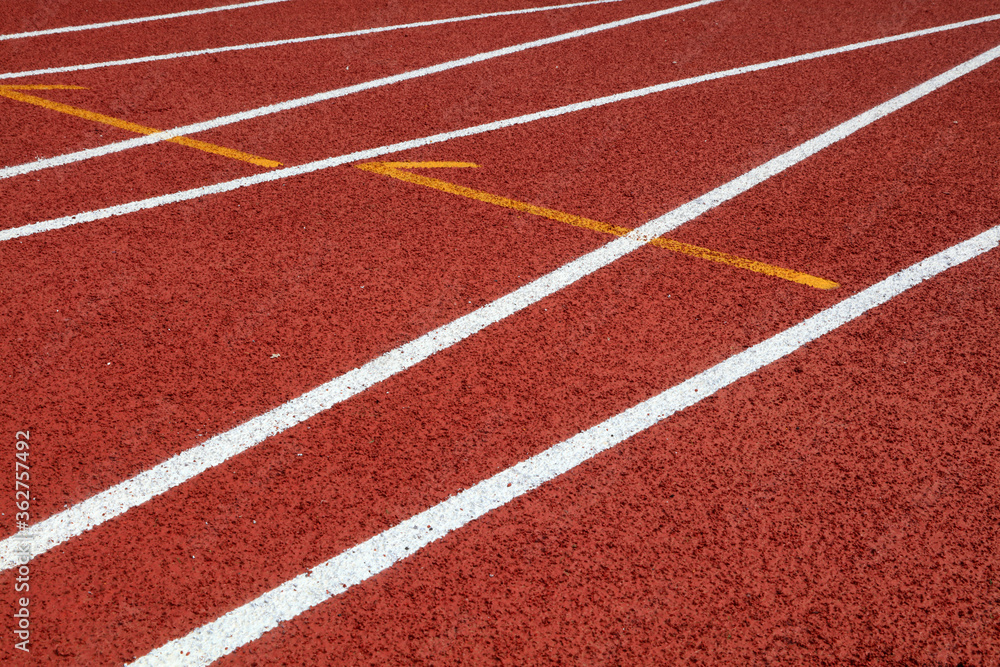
(314, 414)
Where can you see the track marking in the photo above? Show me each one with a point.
(371, 153)
(295, 40)
(180, 468)
(10, 91)
(249, 622)
(78, 156)
(142, 19)
(396, 170)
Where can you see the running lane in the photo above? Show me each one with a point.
(520, 83)
(200, 89)
(133, 301)
(30, 15)
(407, 465)
(839, 506)
(284, 19)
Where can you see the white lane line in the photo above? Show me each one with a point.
(141, 19)
(181, 467)
(194, 128)
(371, 153)
(369, 31)
(296, 40)
(331, 578)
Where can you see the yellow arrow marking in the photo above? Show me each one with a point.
(396, 170)
(11, 92)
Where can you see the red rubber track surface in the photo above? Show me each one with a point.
(837, 506)
(854, 523)
(525, 82)
(170, 93)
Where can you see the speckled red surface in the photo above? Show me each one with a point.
(837, 507)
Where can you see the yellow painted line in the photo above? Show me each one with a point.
(11, 92)
(397, 170)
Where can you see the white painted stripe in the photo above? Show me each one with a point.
(296, 40)
(371, 153)
(180, 468)
(331, 578)
(141, 19)
(194, 128)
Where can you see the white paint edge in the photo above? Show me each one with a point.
(141, 19)
(296, 40)
(194, 128)
(368, 154)
(251, 621)
(180, 468)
